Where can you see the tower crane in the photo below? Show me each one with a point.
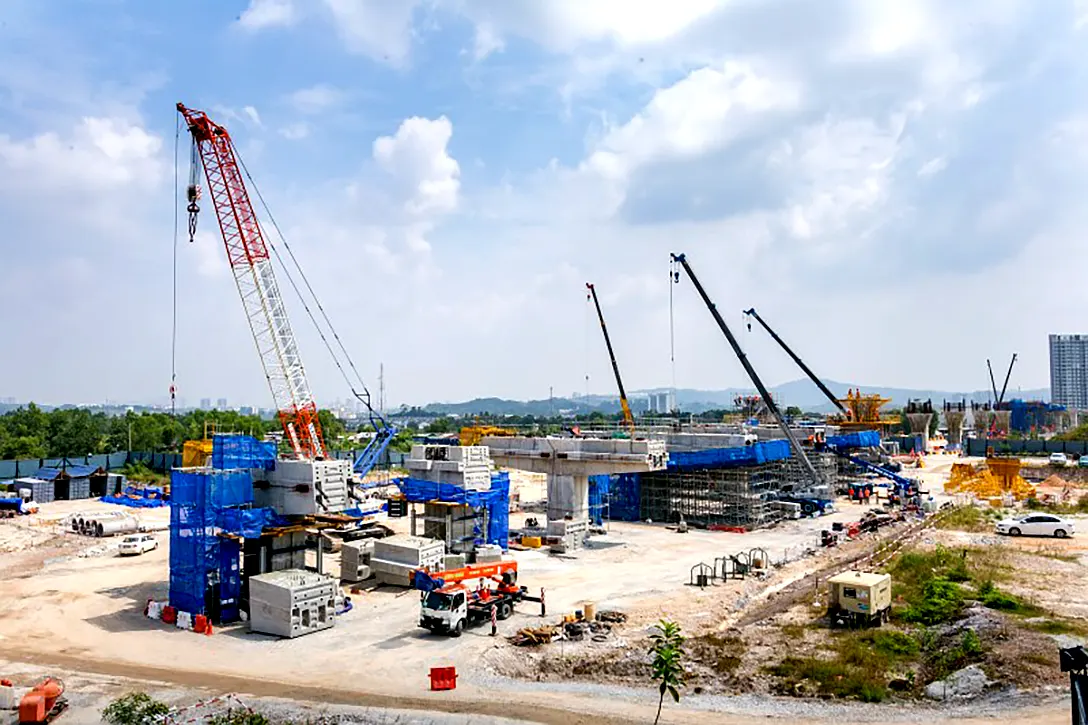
(628, 419)
(751, 312)
(795, 444)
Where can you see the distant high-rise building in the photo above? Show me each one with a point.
(221, 404)
(205, 403)
(246, 410)
(1069, 370)
(662, 403)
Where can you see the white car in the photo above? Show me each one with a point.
(1058, 459)
(137, 544)
(1037, 525)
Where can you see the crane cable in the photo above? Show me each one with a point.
(674, 279)
(174, 324)
(365, 396)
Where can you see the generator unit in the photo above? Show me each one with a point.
(859, 599)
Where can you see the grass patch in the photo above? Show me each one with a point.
(966, 518)
(831, 678)
(943, 655)
(940, 600)
(794, 631)
(723, 653)
(993, 598)
(1058, 626)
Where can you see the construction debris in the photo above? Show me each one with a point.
(534, 636)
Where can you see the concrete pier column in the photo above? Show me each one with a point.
(954, 420)
(919, 425)
(982, 419)
(1001, 421)
(568, 495)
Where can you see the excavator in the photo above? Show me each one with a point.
(625, 407)
(448, 606)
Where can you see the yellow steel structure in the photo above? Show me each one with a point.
(197, 453)
(1000, 476)
(471, 435)
(863, 412)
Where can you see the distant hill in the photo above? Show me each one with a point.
(801, 393)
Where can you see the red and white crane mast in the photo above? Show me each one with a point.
(251, 266)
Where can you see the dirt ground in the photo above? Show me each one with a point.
(69, 605)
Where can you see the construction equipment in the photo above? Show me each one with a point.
(43, 703)
(471, 435)
(251, 265)
(1000, 398)
(628, 419)
(859, 599)
(448, 606)
(795, 444)
(751, 312)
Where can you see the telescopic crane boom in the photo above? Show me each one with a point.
(251, 266)
(751, 312)
(628, 419)
(752, 375)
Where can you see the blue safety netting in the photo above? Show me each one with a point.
(774, 450)
(242, 451)
(248, 523)
(199, 498)
(495, 500)
(230, 580)
(206, 487)
(860, 439)
(624, 497)
(598, 495)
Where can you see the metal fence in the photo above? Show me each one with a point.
(978, 447)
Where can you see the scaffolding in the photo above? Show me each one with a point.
(744, 497)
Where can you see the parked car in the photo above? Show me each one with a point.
(1058, 459)
(1083, 461)
(136, 544)
(1037, 525)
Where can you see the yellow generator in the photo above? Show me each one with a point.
(859, 599)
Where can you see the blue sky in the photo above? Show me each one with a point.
(898, 187)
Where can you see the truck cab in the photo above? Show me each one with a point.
(445, 611)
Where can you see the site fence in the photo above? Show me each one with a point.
(1023, 446)
(161, 462)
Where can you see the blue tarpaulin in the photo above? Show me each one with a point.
(242, 451)
(136, 503)
(598, 494)
(230, 580)
(624, 497)
(860, 439)
(774, 450)
(247, 523)
(50, 474)
(495, 500)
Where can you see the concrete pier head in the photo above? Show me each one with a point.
(569, 462)
(954, 420)
(919, 425)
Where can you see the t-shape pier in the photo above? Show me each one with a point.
(569, 462)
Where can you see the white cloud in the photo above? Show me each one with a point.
(211, 257)
(267, 14)
(252, 114)
(100, 152)
(295, 131)
(316, 99)
(417, 156)
(379, 29)
(934, 166)
(703, 112)
(486, 41)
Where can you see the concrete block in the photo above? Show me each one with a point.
(291, 603)
(453, 561)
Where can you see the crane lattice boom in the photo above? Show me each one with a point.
(251, 266)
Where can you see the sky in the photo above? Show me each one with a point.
(898, 188)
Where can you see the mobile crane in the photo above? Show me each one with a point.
(814, 476)
(999, 399)
(448, 606)
(251, 265)
(628, 419)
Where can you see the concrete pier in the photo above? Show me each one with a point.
(954, 420)
(919, 425)
(982, 420)
(569, 462)
(1002, 418)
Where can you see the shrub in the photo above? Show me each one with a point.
(941, 600)
(135, 708)
(831, 677)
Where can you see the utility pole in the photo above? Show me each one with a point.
(381, 388)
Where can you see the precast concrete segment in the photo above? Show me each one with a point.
(578, 456)
(688, 442)
(954, 420)
(919, 425)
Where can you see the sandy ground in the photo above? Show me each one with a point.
(82, 614)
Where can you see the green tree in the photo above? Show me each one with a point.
(439, 425)
(73, 432)
(332, 428)
(667, 648)
(794, 412)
